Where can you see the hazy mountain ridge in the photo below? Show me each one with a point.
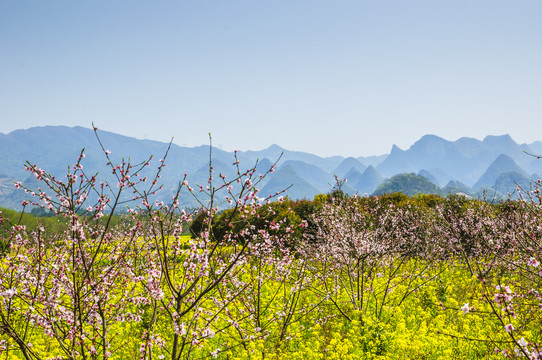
(496, 162)
(465, 159)
(347, 165)
(503, 164)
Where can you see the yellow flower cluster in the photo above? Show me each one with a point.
(429, 323)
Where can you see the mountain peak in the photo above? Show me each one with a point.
(352, 174)
(503, 158)
(366, 182)
(347, 165)
(503, 163)
(275, 147)
(430, 142)
(431, 138)
(506, 137)
(499, 141)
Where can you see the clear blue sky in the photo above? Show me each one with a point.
(328, 77)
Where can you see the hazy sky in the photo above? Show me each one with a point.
(328, 77)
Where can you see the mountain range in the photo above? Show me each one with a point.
(496, 163)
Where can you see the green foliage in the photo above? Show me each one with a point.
(430, 200)
(9, 218)
(50, 223)
(286, 214)
(410, 184)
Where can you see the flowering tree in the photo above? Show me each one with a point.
(197, 282)
(360, 251)
(515, 294)
(84, 287)
(75, 287)
(500, 246)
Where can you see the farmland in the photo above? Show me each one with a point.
(335, 277)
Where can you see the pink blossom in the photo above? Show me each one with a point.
(214, 354)
(533, 262)
(9, 293)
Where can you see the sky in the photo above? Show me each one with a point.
(345, 77)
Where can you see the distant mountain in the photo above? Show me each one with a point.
(397, 162)
(409, 184)
(373, 160)
(426, 174)
(495, 163)
(274, 152)
(436, 175)
(489, 148)
(535, 167)
(536, 148)
(367, 182)
(53, 148)
(434, 152)
(454, 187)
(346, 188)
(315, 176)
(502, 164)
(437, 154)
(352, 176)
(9, 198)
(507, 182)
(502, 144)
(288, 176)
(347, 165)
(469, 147)
(463, 160)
